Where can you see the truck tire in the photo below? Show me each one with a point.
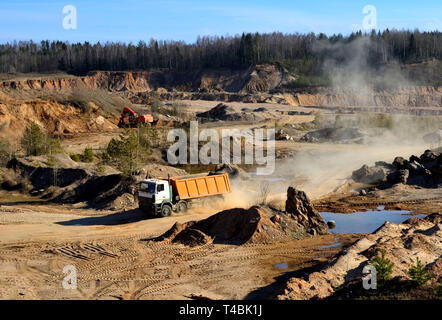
(166, 210)
(181, 207)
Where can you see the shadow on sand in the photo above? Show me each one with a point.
(122, 217)
(269, 292)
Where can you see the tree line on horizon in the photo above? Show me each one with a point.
(302, 53)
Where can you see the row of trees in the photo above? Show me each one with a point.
(305, 51)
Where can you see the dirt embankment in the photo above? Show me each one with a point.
(256, 84)
(52, 117)
(418, 100)
(66, 181)
(259, 78)
(402, 243)
(407, 96)
(112, 81)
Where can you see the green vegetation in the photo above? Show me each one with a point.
(76, 157)
(133, 148)
(100, 168)
(124, 152)
(319, 119)
(53, 146)
(419, 274)
(372, 120)
(383, 121)
(86, 156)
(149, 136)
(36, 143)
(308, 55)
(384, 267)
(155, 105)
(51, 162)
(178, 110)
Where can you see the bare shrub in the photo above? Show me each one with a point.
(263, 194)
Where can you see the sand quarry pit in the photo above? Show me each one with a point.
(232, 250)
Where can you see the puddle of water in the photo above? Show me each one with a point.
(365, 222)
(283, 265)
(336, 243)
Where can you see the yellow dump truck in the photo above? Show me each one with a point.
(159, 197)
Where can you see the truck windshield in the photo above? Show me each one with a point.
(147, 187)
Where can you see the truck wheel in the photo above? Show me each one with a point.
(181, 207)
(166, 210)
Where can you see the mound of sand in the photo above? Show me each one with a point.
(223, 112)
(233, 226)
(258, 224)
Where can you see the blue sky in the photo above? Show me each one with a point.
(134, 20)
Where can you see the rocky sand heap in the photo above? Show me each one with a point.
(303, 212)
(223, 112)
(424, 171)
(258, 224)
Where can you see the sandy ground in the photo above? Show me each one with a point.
(96, 141)
(115, 260)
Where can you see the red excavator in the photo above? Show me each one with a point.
(130, 118)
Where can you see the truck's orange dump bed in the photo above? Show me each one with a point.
(197, 187)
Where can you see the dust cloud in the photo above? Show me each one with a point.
(354, 66)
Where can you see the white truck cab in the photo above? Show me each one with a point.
(154, 196)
